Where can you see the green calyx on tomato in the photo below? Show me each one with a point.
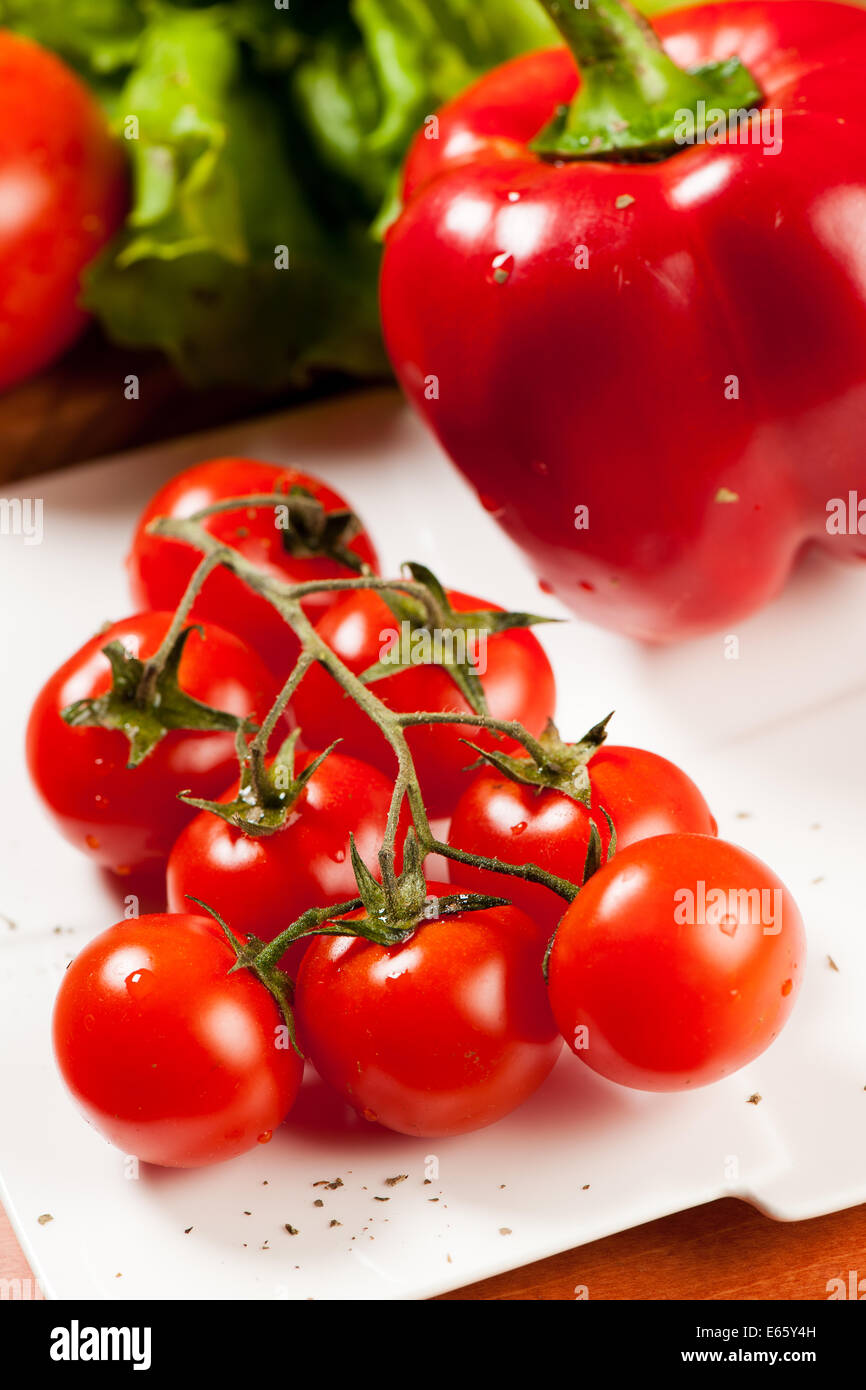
(267, 791)
(392, 911)
(146, 701)
(309, 530)
(554, 764)
(434, 633)
(315, 533)
(633, 98)
(394, 908)
(254, 955)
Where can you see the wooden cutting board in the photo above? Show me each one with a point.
(78, 409)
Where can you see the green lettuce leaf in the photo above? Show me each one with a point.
(362, 102)
(96, 37)
(264, 145)
(222, 263)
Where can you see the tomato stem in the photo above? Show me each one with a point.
(509, 727)
(254, 955)
(287, 600)
(311, 529)
(257, 751)
(156, 665)
(309, 922)
(561, 886)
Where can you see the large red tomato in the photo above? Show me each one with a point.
(127, 818)
(171, 1057)
(445, 1033)
(62, 196)
(160, 568)
(517, 680)
(497, 818)
(678, 963)
(260, 885)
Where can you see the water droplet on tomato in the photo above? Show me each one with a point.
(787, 987)
(490, 504)
(501, 268)
(371, 1115)
(514, 197)
(139, 983)
(339, 856)
(540, 467)
(91, 842)
(545, 586)
(519, 828)
(266, 1137)
(729, 924)
(585, 584)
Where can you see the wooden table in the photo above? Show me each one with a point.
(76, 411)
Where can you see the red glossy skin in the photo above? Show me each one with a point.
(160, 569)
(128, 818)
(643, 794)
(169, 1056)
(668, 1004)
(441, 1035)
(605, 387)
(64, 195)
(259, 886)
(518, 684)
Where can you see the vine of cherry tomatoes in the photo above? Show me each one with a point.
(590, 899)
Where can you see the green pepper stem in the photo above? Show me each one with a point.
(634, 101)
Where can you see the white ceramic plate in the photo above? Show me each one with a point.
(776, 740)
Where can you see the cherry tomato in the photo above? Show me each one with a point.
(170, 1057)
(160, 568)
(443, 1034)
(678, 963)
(518, 684)
(643, 794)
(63, 196)
(128, 818)
(259, 886)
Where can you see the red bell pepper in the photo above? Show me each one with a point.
(636, 317)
